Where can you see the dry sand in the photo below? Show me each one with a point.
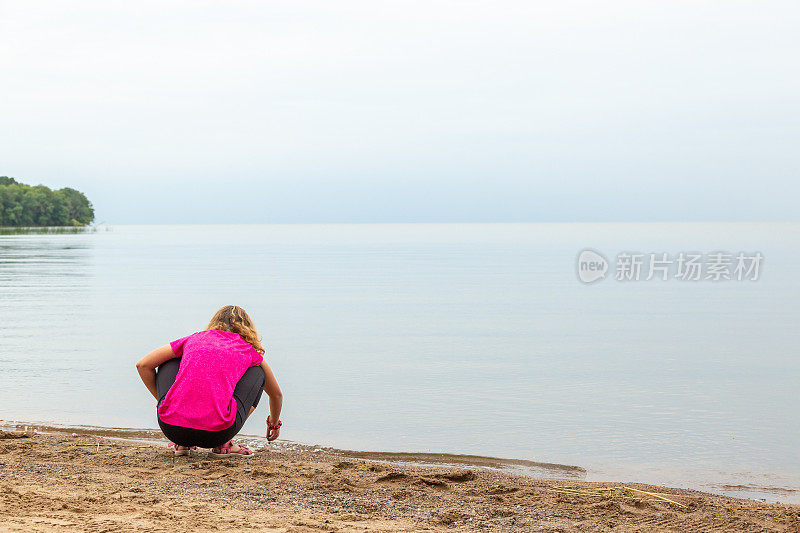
(67, 482)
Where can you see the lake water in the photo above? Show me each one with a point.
(473, 338)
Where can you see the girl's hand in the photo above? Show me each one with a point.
(273, 430)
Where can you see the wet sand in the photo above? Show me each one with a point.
(90, 480)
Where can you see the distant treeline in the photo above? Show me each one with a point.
(26, 205)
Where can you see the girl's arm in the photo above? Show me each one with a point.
(148, 364)
(275, 399)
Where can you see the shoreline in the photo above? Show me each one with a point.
(766, 489)
(739, 488)
(523, 467)
(88, 480)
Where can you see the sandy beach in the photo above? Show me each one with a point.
(93, 481)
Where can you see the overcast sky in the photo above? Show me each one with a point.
(389, 111)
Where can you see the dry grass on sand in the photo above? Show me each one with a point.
(66, 482)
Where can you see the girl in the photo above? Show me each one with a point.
(208, 383)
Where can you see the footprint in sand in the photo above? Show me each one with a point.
(457, 477)
(393, 477)
(434, 483)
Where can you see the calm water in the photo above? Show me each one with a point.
(473, 339)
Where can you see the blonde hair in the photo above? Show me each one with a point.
(234, 319)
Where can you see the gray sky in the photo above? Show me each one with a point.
(360, 111)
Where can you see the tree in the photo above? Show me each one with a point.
(24, 205)
(79, 209)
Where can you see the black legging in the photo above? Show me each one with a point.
(247, 393)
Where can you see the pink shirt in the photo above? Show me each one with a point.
(212, 363)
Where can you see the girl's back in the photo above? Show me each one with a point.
(212, 362)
